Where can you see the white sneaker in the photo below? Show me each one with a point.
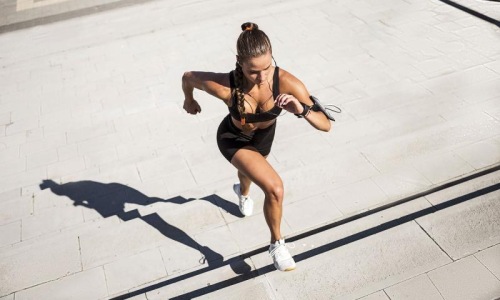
(246, 203)
(283, 261)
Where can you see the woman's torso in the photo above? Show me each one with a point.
(260, 109)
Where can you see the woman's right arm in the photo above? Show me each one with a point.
(215, 84)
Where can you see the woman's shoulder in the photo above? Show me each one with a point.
(220, 78)
(288, 81)
(213, 80)
(216, 84)
(207, 76)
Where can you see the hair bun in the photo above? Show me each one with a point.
(249, 26)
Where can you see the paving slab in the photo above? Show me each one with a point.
(486, 153)
(309, 213)
(252, 289)
(442, 167)
(90, 284)
(27, 264)
(357, 192)
(109, 244)
(186, 286)
(255, 225)
(459, 190)
(10, 233)
(401, 182)
(420, 287)
(51, 220)
(15, 208)
(467, 227)
(13, 167)
(220, 240)
(381, 295)
(425, 148)
(178, 257)
(133, 271)
(8, 297)
(489, 258)
(65, 167)
(465, 279)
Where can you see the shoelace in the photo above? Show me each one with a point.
(277, 251)
(244, 200)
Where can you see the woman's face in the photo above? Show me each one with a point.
(257, 70)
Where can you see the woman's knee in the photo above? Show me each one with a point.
(274, 192)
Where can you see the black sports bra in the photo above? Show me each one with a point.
(257, 117)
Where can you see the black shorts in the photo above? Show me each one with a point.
(230, 138)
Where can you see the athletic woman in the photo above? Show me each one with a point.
(255, 92)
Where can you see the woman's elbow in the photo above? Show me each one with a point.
(327, 128)
(186, 76)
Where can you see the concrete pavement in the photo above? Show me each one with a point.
(428, 248)
(107, 187)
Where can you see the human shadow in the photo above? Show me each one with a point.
(109, 199)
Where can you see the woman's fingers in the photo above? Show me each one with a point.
(283, 99)
(288, 102)
(192, 108)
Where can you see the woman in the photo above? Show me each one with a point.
(256, 92)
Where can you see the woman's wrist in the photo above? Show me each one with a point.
(187, 88)
(306, 110)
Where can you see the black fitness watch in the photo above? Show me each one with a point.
(305, 111)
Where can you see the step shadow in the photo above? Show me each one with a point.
(109, 199)
(473, 12)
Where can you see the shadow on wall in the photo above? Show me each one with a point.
(109, 199)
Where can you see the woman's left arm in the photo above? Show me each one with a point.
(296, 94)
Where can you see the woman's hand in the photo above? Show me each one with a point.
(289, 103)
(191, 107)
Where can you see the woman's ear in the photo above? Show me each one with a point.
(238, 60)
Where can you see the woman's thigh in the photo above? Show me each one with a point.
(255, 166)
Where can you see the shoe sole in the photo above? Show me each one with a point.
(287, 269)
